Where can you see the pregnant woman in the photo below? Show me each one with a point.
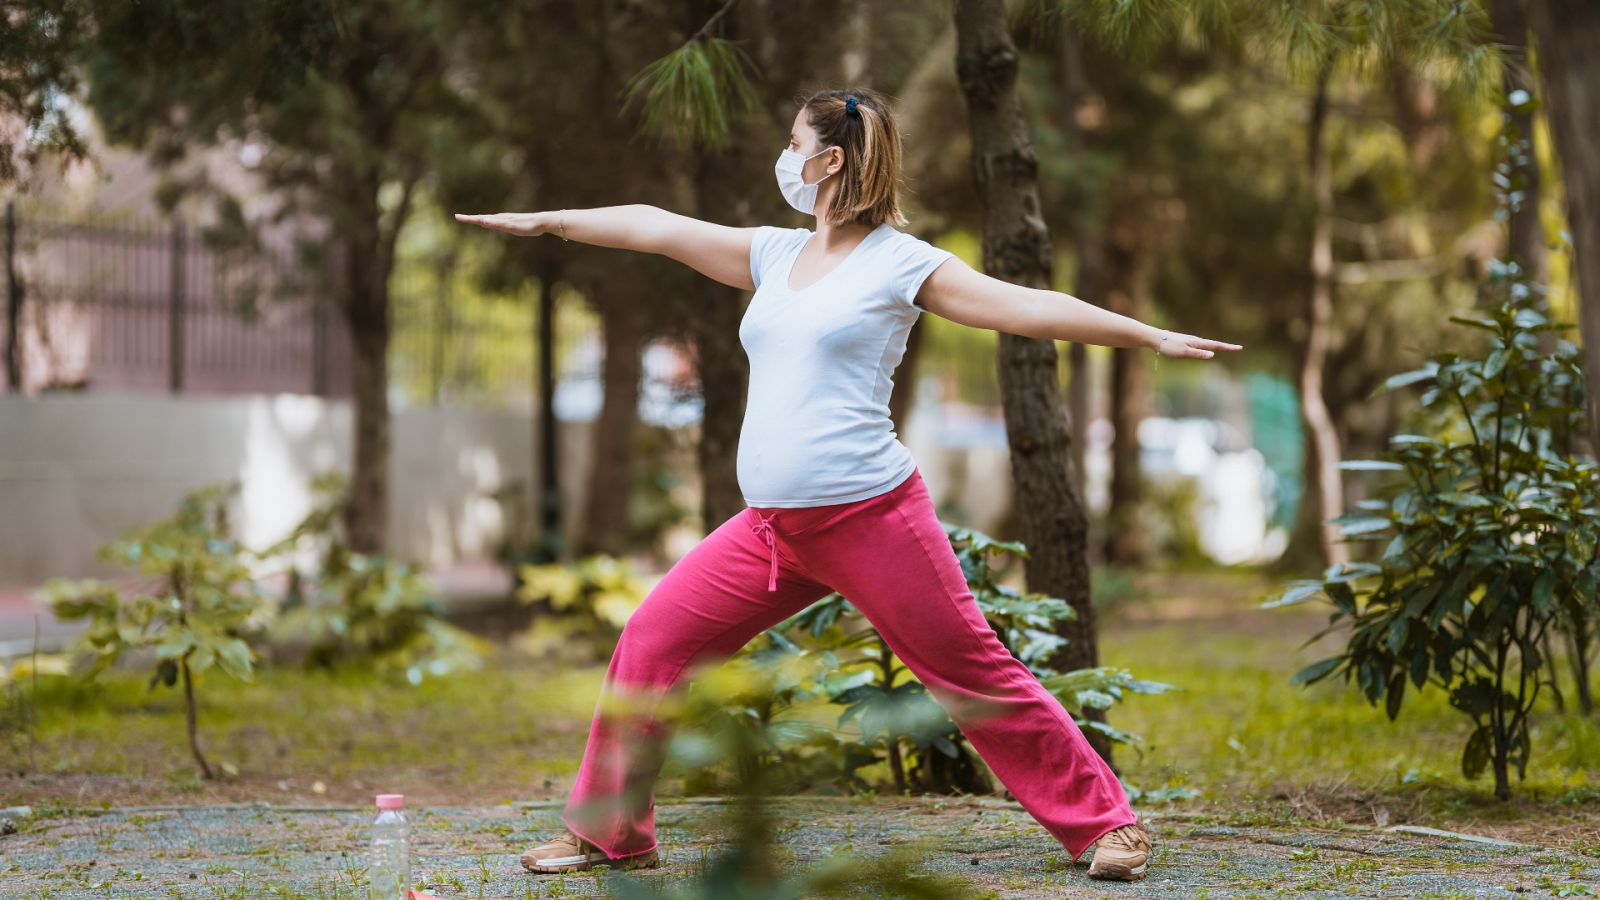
(835, 501)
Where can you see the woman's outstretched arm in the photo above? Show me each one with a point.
(958, 292)
(719, 252)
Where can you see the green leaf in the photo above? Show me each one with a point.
(1316, 671)
(1096, 699)
(166, 673)
(1475, 757)
(1419, 666)
(235, 659)
(1485, 324)
(1298, 592)
(177, 645)
(1458, 498)
(1354, 525)
(1407, 378)
(1496, 363)
(1396, 690)
(1544, 589)
(1370, 465)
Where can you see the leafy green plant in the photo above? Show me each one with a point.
(764, 691)
(585, 604)
(348, 606)
(705, 737)
(202, 611)
(1488, 537)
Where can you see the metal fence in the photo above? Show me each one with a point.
(141, 306)
(162, 306)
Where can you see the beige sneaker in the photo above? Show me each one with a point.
(1122, 853)
(566, 852)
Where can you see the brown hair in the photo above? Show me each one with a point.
(869, 182)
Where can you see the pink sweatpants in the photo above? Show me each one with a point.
(890, 557)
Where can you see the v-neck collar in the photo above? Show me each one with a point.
(854, 251)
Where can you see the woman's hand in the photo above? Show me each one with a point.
(1172, 343)
(527, 224)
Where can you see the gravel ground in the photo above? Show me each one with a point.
(259, 850)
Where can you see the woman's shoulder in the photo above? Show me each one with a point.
(781, 234)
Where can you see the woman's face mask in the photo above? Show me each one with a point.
(792, 182)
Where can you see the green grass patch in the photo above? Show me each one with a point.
(1239, 725)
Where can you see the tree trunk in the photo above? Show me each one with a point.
(547, 456)
(1580, 640)
(1016, 248)
(1127, 276)
(1324, 438)
(1568, 33)
(606, 521)
(366, 311)
(191, 717)
(1088, 279)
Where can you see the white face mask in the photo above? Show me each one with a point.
(792, 182)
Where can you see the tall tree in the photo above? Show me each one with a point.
(1568, 32)
(1016, 248)
(1322, 40)
(1322, 458)
(348, 99)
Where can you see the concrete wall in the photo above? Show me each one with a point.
(76, 470)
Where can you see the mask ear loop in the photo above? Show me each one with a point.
(830, 174)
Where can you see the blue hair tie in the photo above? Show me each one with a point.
(850, 106)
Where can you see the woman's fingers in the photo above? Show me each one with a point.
(512, 223)
(1191, 347)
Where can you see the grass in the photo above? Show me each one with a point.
(313, 737)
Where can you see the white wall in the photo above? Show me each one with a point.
(76, 470)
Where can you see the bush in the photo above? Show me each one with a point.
(1489, 536)
(587, 602)
(202, 612)
(349, 606)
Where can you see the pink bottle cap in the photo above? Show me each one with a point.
(391, 801)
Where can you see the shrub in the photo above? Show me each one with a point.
(1489, 536)
(202, 611)
(587, 602)
(349, 606)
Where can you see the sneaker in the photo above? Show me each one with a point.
(1122, 853)
(567, 852)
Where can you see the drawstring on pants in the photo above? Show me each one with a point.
(764, 529)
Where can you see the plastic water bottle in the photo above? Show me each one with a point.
(389, 877)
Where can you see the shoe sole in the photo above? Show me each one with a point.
(557, 864)
(1116, 872)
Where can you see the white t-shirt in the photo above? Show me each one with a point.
(816, 424)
